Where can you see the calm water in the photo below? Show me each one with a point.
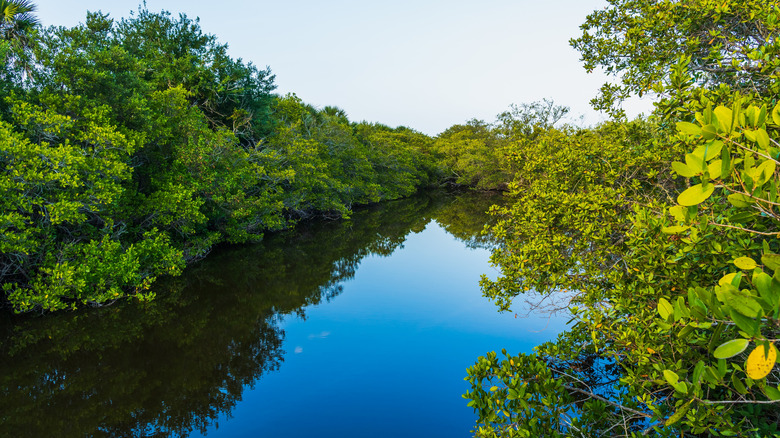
(350, 328)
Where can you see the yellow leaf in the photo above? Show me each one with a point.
(759, 364)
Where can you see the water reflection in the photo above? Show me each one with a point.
(173, 366)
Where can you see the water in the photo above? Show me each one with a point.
(340, 328)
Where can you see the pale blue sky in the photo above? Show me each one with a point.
(426, 64)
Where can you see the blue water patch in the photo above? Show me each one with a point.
(387, 356)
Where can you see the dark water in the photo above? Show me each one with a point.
(351, 328)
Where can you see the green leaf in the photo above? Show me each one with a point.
(709, 131)
(764, 172)
(731, 348)
(676, 229)
(746, 324)
(686, 331)
(708, 116)
(727, 279)
(696, 194)
(665, 308)
(683, 170)
(761, 116)
(711, 375)
(695, 163)
(768, 288)
(715, 169)
(722, 368)
(743, 217)
(738, 385)
(679, 414)
(724, 116)
(745, 263)
(688, 128)
(762, 138)
(772, 393)
(725, 167)
(739, 300)
(671, 377)
(771, 261)
(677, 212)
(739, 200)
(698, 371)
(776, 114)
(709, 150)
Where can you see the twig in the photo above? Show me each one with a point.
(728, 402)
(617, 405)
(744, 229)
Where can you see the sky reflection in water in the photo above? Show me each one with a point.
(387, 357)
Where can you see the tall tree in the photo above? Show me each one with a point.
(669, 47)
(17, 19)
(16, 25)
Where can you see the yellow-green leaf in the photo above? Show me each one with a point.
(762, 138)
(765, 171)
(688, 128)
(696, 194)
(727, 279)
(677, 212)
(745, 263)
(676, 229)
(683, 170)
(776, 114)
(731, 348)
(771, 261)
(671, 377)
(709, 150)
(716, 169)
(724, 116)
(709, 131)
(665, 308)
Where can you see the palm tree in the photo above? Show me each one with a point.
(16, 24)
(17, 20)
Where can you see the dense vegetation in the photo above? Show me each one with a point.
(660, 238)
(129, 148)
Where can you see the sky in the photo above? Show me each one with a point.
(424, 64)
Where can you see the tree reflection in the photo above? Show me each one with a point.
(174, 365)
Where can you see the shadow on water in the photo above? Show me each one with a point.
(173, 366)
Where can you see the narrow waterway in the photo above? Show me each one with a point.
(354, 328)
